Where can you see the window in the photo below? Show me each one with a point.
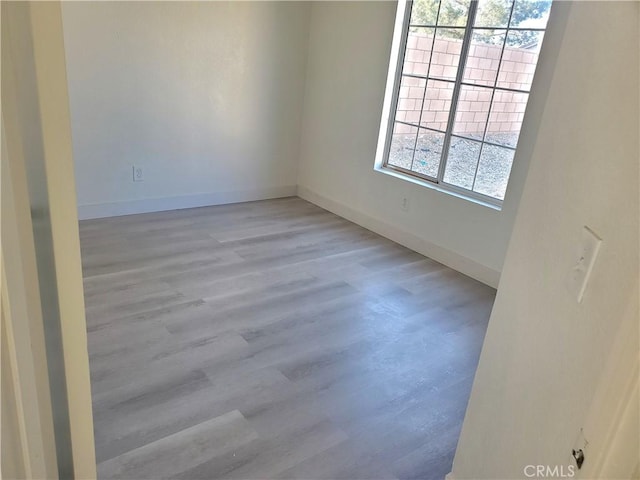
(460, 91)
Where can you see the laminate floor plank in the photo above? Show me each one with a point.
(174, 454)
(274, 339)
(199, 400)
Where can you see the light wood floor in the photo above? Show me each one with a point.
(274, 339)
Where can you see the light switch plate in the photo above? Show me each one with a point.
(583, 265)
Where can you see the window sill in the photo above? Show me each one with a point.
(437, 187)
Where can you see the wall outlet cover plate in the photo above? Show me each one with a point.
(137, 174)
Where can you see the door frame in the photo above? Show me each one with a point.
(41, 61)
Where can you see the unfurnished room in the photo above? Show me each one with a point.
(355, 240)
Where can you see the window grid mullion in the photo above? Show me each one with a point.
(409, 124)
(457, 27)
(493, 93)
(502, 89)
(398, 80)
(464, 52)
(426, 84)
(493, 144)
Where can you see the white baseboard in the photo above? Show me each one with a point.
(449, 476)
(146, 205)
(449, 258)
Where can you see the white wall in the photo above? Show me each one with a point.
(349, 49)
(238, 101)
(543, 369)
(205, 96)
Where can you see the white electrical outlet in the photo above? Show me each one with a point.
(405, 204)
(583, 264)
(138, 174)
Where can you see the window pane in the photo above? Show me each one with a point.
(403, 141)
(410, 99)
(424, 12)
(519, 60)
(472, 111)
(491, 94)
(428, 153)
(531, 13)
(437, 104)
(505, 119)
(493, 13)
(484, 57)
(461, 162)
(446, 53)
(454, 13)
(418, 52)
(493, 171)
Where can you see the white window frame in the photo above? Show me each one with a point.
(398, 51)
